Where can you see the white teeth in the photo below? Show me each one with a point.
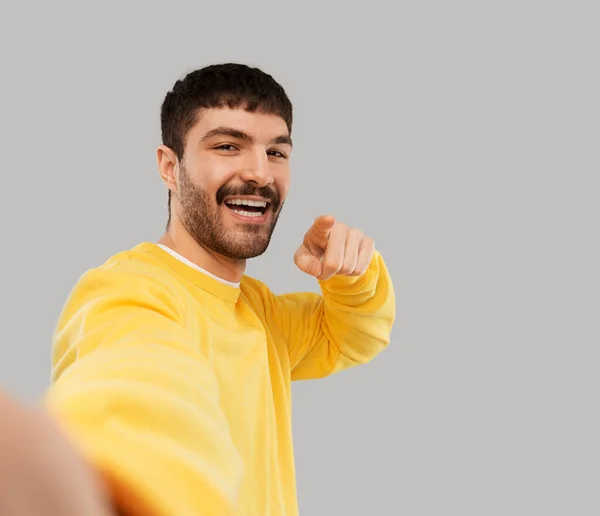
(244, 202)
(249, 213)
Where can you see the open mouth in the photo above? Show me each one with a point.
(248, 207)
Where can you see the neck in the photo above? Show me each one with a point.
(177, 238)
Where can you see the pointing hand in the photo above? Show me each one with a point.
(331, 248)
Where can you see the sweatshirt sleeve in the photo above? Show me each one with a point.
(139, 400)
(348, 324)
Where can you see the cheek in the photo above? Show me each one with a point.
(214, 172)
(282, 181)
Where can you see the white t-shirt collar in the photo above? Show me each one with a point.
(194, 266)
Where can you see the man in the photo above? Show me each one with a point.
(172, 369)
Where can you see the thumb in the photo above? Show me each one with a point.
(307, 262)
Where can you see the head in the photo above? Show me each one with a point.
(226, 132)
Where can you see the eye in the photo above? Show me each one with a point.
(227, 147)
(276, 154)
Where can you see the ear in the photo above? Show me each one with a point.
(167, 166)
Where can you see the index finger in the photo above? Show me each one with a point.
(323, 225)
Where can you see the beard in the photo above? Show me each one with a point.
(202, 217)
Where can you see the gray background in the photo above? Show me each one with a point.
(462, 136)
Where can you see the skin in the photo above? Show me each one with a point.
(40, 471)
(34, 453)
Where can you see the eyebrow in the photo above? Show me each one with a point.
(283, 139)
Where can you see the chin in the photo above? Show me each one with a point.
(243, 247)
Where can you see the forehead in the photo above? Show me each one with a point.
(261, 126)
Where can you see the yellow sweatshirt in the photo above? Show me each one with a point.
(177, 387)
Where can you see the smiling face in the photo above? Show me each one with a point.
(233, 180)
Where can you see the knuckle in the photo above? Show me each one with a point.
(332, 265)
(346, 269)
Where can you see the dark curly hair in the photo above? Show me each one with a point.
(219, 85)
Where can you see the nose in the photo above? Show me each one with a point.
(257, 170)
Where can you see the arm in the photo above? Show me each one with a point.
(132, 391)
(349, 324)
(40, 472)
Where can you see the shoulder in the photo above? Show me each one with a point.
(131, 276)
(253, 285)
(256, 291)
(130, 265)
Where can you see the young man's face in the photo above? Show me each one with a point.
(234, 179)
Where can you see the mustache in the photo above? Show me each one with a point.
(248, 189)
